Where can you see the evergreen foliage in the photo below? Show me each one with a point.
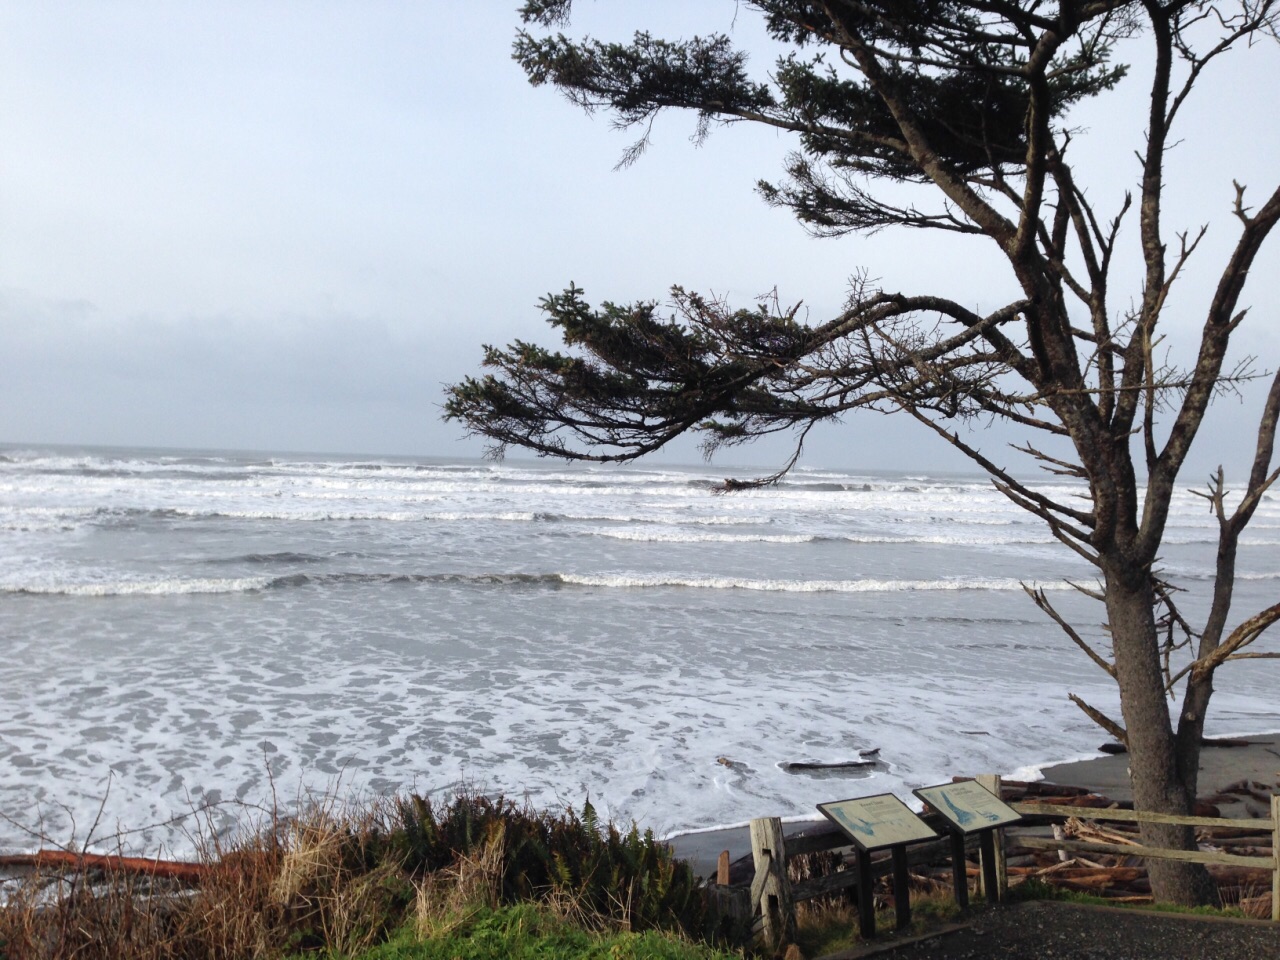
(608, 870)
(950, 116)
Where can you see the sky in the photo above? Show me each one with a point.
(288, 225)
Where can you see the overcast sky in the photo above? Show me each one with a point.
(285, 226)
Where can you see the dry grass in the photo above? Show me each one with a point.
(446, 899)
(340, 877)
(291, 884)
(1252, 900)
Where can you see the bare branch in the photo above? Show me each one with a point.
(1241, 636)
(1041, 601)
(1102, 720)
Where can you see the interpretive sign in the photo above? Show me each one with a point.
(877, 821)
(968, 806)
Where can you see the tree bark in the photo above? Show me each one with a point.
(1153, 766)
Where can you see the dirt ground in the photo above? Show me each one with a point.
(1063, 931)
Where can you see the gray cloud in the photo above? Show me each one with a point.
(287, 225)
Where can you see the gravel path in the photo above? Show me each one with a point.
(1062, 931)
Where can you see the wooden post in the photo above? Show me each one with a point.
(770, 888)
(722, 868)
(1275, 853)
(729, 914)
(866, 898)
(991, 781)
(959, 875)
(901, 888)
(987, 879)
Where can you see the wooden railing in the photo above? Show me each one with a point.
(1271, 863)
(767, 905)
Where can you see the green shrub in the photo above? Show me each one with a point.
(629, 875)
(532, 932)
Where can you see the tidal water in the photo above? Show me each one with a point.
(186, 631)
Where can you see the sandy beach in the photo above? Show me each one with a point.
(1220, 767)
(1107, 775)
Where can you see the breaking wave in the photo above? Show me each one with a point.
(808, 586)
(201, 585)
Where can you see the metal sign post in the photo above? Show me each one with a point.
(874, 823)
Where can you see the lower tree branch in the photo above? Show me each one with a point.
(1041, 601)
(1102, 720)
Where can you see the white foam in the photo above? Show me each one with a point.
(140, 587)
(851, 613)
(808, 586)
(669, 536)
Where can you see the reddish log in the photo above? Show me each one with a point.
(63, 859)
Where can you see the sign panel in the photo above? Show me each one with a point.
(877, 821)
(968, 806)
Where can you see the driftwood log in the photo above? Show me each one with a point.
(66, 860)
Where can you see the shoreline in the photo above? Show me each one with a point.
(1104, 774)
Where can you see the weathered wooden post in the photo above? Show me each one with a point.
(1275, 854)
(728, 914)
(901, 888)
(994, 873)
(959, 876)
(722, 868)
(866, 898)
(771, 888)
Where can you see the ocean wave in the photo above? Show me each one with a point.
(478, 579)
(196, 585)
(319, 515)
(807, 586)
(670, 536)
(178, 586)
(448, 516)
(1207, 576)
(127, 588)
(283, 556)
(675, 536)
(944, 539)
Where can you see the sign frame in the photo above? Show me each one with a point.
(865, 839)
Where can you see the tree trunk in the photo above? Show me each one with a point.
(1153, 766)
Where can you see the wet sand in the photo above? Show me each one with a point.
(1108, 775)
(1220, 767)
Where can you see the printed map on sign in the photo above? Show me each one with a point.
(877, 821)
(968, 805)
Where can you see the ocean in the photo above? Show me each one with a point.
(187, 631)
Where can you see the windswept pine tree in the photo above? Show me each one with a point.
(936, 115)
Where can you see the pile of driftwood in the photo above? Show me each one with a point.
(1122, 877)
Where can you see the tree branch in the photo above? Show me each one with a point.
(1102, 720)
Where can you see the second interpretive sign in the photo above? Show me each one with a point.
(968, 806)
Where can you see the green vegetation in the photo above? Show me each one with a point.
(338, 881)
(828, 926)
(413, 879)
(534, 932)
(1034, 888)
(609, 871)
